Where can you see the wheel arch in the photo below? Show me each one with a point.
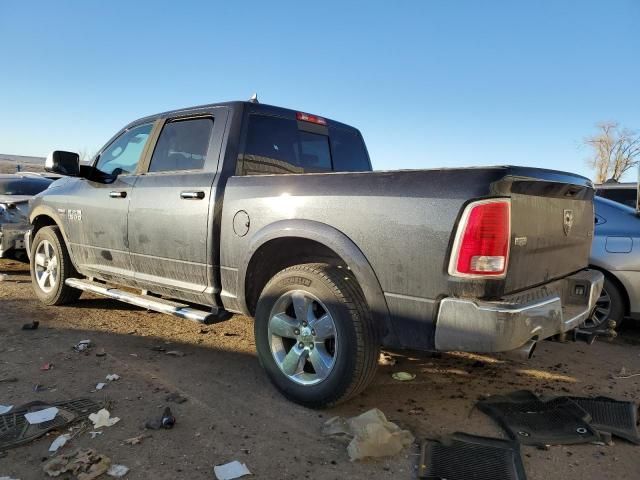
(43, 216)
(291, 242)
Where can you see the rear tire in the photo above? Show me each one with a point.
(610, 306)
(50, 267)
(314, 335)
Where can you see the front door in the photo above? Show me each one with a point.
(171, 213)
(96, 218)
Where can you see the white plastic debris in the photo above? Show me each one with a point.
(41, 416)
(231, 470)
(8, 478)
(103, 419)
(386, 359)
(59, 442)
(100, 386)
(3, 277)
(94, 434)
(372, 435)
(112, 377)
(5, 409)
(82, 345)
(117, 471)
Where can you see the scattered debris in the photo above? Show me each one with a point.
(86, 464)
(386, 359)
(8, 478)
(166, 421)
(230, 334)
(136, 440)
(100, 386)
(622, 374)
(95, 434)
(103, 419)
(175, 353)
(176, 397)
(5, 409)
(8, 379)
(3, 277)
(82, 345)
(112, 377)
(158, 348)
(101, 352)
(41, 416)
(461, 456)
(231, 470)
(204, 331)
(15, 431)
(117, 471)
(31, 326)
(371, 434)
(46, 366)
(59, 442)
(403, 376)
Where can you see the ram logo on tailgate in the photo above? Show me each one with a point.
(568, 221)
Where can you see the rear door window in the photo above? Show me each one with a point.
(348, 151)
(182, 145)
(276, 145)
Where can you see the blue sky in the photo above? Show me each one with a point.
(429, 83)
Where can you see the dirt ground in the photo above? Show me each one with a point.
(233, 412)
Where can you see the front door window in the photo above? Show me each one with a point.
(123, 155)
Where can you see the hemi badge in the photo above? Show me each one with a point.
(62, 210)
(520, 241)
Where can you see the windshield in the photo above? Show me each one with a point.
(23, 186)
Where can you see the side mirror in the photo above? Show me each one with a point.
(63, 163)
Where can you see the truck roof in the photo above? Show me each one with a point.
(251, 107)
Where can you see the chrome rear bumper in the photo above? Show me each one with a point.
(476, 326)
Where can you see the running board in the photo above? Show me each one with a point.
(151, 303)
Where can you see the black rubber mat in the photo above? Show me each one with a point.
(531, 421)
(15, 430)
(612, 416)
(468, 457)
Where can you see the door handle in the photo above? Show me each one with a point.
(192, 195)
(118, 194)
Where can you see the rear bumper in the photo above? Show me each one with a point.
(12, 237)
(557, 307)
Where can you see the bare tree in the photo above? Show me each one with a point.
(614, 151)
(86, 155)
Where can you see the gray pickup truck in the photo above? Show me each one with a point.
(247, 208)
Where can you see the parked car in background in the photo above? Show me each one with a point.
(622, 192)
(616, 252)
(274, 213)
(15, 191)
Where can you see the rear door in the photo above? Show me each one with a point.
(172, 208)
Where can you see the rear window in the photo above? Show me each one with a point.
(626, 196)
(278, 145)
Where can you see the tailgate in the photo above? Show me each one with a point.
(551, 229)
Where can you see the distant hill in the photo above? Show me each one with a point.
(10, 163)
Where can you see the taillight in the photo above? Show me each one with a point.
(481, 247)
(306, 117)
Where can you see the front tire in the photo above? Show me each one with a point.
(314, 335)
(50, 267)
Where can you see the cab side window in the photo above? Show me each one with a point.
(183, 145)
(123, 155)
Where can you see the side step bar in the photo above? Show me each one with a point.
(145, 301)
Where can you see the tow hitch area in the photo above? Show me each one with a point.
(590, 336)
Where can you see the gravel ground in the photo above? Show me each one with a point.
(232, 411)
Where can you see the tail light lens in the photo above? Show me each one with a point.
(481, 247)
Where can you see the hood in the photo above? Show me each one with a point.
(15, 199)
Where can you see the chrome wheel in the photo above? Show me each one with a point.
(46, 266)
(303, 337)
(601, 313)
